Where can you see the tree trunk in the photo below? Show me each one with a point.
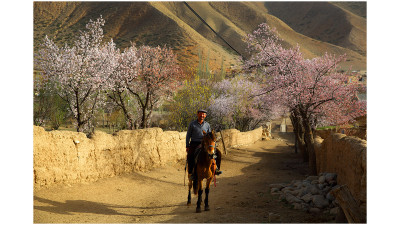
(295, 130)
(309, 140)
(299, 134)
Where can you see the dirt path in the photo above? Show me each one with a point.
(242, 194)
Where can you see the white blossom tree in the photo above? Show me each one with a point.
(79, 73)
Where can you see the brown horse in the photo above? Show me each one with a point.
(204, 169)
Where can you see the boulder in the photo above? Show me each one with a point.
(314, 210)
(274, 190)
(307, 198)
(330, 177)
(330, 197)
(320, 201)
(297, 206)
(292, 199)
(321, 179)
(334, 211)
(278, 186)
(314, 190)
(311, 178)
(321, 186)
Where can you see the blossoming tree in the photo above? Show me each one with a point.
(125, 71)
(313, 90)
(77, 74)
(158, 75)
(236, 106)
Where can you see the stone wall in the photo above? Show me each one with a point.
(345, 156)
(70, 157)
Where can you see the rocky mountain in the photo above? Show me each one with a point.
(318, 27)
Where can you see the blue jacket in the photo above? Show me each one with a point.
(195, 131)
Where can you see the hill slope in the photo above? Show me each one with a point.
(316, 26)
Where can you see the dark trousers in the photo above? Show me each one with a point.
(191, 156)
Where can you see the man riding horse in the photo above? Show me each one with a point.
(194, 137)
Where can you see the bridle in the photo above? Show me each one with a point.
(211, 155)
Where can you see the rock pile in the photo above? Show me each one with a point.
(312, 194)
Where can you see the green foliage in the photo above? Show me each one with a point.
(59, 111)
(194, 94)
(49, 109)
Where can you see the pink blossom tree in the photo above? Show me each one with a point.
(79, 73)
(236, 106)
(158, 75)
(313, 90)
(124, 72)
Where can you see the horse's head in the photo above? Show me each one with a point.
(209, 140)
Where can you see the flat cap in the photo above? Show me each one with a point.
(201, 110)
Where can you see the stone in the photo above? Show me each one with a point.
(274, 218)
(295, 192)
(302, 192)
(314, 190)
(306, 183)
(297, 206)
(332, 183)
(314, 210)
(292, 199)
(330, 197)
(326, 189)
(279, 186)
(321, 186)
(321, 179)
(298, 184)
(305, 207)
(330, 177)
(334, 211)
(320, 201)
(314, 182)
(287, 189)
(307, 198)
(311, 178)
(274, 190)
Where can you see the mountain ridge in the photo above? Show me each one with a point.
(339, 32)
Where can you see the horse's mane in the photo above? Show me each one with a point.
(210, 135)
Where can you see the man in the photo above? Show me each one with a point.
(194, 137)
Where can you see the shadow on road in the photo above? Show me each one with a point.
(81, 206)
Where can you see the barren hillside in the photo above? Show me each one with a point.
(316, 26)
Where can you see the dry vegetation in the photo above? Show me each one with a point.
(318, 27)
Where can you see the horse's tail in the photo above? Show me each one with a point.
(195, 185)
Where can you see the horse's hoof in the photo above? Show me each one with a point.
(198, 210)
(207, 208)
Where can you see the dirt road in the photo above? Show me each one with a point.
(241, 194)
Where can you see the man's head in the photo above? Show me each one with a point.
(201, 115)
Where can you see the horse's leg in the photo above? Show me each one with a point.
(189, 201)
(200, 192)
(207, 190)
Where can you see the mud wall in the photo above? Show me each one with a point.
(70, 157)
(345, 156)
(235, 138)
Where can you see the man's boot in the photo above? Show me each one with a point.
(218, 162)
